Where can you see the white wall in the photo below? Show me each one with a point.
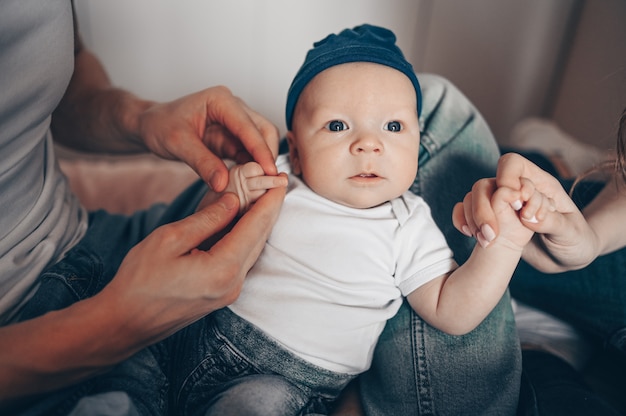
(592, 93)
(506, 56)
(162, 49)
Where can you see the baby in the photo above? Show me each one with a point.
(351, 241)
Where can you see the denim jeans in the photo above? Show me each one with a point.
(222, 365)
(417, 369)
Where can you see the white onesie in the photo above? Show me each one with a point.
(330, 276)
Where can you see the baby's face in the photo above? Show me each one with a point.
(355, 137)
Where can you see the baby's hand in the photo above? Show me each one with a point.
(249, 182)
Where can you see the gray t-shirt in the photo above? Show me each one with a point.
(40, 219)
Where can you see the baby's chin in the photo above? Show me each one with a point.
(361, 197)
(362, 203)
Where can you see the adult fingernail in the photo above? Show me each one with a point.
(216, 181)
(488, 232)
(533, 219)
(229, 201)
(481, 240)
(516, 205)
(465, 230)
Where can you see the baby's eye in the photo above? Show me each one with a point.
(393, 126)
(336, 125)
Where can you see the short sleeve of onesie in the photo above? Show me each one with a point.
(422, 251)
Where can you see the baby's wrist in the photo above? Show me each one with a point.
(504, 243)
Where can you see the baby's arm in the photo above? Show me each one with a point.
(458, 302)
(249, 183)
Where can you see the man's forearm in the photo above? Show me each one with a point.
(95, 117)
(61, 348)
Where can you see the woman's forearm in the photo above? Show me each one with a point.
(606, 214)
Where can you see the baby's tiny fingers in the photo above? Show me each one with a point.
(259, 183)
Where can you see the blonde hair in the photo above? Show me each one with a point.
(620, 161)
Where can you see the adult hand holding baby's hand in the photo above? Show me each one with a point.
(166, 282)
(206, 127)
(502, 205)
(563, 238)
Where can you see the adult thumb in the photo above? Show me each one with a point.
(193, 230)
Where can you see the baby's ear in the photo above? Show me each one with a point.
(294, 158)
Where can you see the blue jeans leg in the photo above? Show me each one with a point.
(417, 369)
(224, 365)
(259, 395)
(115, 403)
(139, 382)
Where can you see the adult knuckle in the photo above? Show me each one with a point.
(168, 234)
(510, 158)
(175, 138)
(227, 282)
(211, 217)
(222, 89)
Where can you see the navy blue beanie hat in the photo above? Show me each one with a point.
(365, 43)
